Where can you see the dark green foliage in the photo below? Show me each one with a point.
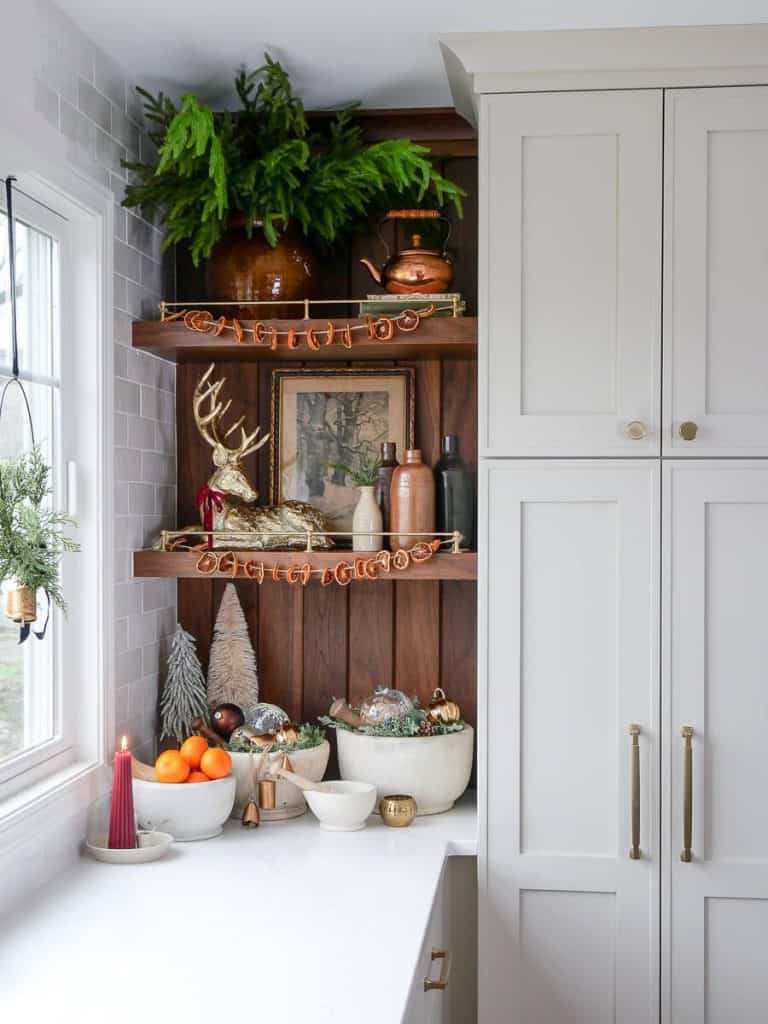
(31, 541)
(309, 736)
(264, 163)
(366, 472)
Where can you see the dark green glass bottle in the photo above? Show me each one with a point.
(388, 466)
(455, 493)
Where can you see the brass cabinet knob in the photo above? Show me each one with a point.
(688, 430)
(636, 430)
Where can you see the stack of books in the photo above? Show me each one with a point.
(447, 303)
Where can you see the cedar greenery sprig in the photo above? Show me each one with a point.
(263, 162)
(413, 723)
(31, 538)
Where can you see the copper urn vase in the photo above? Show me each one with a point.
(243, 269)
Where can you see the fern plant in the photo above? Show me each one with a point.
(31, 538)
(264, 163)
(366, 472)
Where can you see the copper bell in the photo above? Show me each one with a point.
(21, 604)
(251, 816)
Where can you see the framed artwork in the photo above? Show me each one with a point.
(327, 416)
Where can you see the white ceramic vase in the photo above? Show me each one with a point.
(366, 519)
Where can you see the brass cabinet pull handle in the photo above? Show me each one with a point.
(634, 732)
(688, 430)
(636, 430)
(685, 856)
(440, 983)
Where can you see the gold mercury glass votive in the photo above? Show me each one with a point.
(398, 810)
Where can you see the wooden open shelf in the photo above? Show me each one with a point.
(435, 337)
(181, 564)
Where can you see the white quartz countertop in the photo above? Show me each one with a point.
(285, 922)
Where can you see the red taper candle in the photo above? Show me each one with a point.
(122, 824)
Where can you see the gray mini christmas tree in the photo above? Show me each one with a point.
(232, 675)
(184, 696)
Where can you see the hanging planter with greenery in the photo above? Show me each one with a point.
(263, 166)
(31, 538)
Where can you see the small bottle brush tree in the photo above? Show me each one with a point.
(232, 675)
(184, 695)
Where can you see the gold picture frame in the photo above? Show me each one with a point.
(321, 417)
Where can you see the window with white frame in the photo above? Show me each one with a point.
(29, 711)
(51, 690)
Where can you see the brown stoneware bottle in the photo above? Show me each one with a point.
(384, 481)
(412, 500)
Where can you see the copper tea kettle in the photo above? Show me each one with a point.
(414, 270)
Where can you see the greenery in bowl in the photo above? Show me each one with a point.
(264, 163)
(31, 538)
(309, 736)
(414, 723)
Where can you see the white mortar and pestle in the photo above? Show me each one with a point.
(338, 806)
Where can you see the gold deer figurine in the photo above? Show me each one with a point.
(254, 527)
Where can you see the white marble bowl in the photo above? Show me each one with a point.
(434, 770)
(289, 800)
(188, 811)
(342, 806)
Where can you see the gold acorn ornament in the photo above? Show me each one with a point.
(441, 709)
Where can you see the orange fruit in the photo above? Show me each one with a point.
(171, 767)
(193, 749)
(197, 776)
(216, 763)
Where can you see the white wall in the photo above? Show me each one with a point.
(66, 103)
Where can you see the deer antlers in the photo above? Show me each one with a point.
(209, 420)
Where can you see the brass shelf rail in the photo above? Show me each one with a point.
(454, 538)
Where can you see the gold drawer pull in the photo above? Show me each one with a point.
(688, 430)
(440, 983)
(634, 732)
(685, 856)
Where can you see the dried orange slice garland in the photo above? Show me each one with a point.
(228, 563)
(380, 328)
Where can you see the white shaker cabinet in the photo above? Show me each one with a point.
(569, 920)
(444, 984)
(716, 272)
(715, 682)
(570, 273)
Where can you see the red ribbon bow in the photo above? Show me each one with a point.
(207, 499)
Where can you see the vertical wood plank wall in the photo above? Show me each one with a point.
(316, 643)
